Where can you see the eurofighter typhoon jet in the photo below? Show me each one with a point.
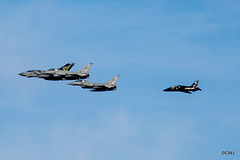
(185, 89)
(98, 87)
(62, 73)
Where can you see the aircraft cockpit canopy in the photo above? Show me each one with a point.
(34, 70)
(31, 70)
(81, 81)
(53, 69)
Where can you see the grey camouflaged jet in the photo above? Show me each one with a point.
(35, 73)
(62, 73)
(97, 87)
(185, 89)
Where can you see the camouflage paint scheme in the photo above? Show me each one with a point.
(62, 73)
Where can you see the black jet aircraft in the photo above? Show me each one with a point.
(185, 89)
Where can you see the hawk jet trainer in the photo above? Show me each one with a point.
(185, 89)
(62, 73)
(97, 87)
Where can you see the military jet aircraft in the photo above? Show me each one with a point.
(97, 87)
(35, 73)
(185, 89)
(62, 73)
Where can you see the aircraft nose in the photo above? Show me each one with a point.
(73, 83)
(167, 89)
(21, 74)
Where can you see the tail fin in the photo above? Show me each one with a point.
(113, 81)
(86, 68)
(67, 67)
(195, 84)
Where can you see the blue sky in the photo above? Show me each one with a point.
(152, 45)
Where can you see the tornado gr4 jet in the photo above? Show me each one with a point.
(62, 73)
(35, 73)
(97, 87)
(185, 89)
